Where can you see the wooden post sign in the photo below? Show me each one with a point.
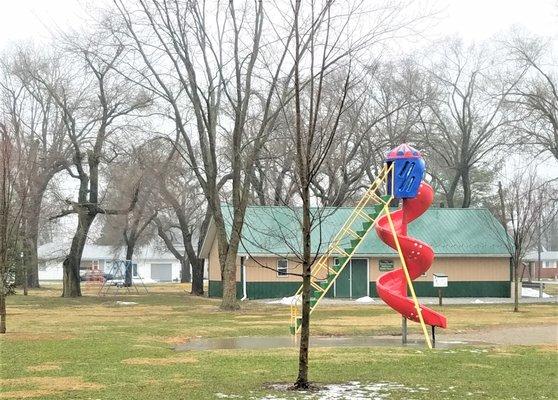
(440, 281)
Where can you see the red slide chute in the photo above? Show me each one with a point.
(392, 286)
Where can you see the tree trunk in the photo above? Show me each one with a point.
(2, 305)
(32, 239)
(229, 301)
(466, 182)
(129, 255)
(302, 379)
(450, 194)
(185, 270)
(32, 264)
(516, 283)
(197, 277)
(71, 282)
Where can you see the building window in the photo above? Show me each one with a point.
(94, 264)
(135, 269)
(549, 264)
(335, 262)
(282, 267)
(43, 266)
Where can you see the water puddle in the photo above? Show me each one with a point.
(275, 342)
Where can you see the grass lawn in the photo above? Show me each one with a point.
(90, 348)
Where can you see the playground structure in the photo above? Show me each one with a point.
(400, 178)
(121, 279)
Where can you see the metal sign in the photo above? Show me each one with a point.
(440, 280)
(385, 265)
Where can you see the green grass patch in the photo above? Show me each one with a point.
(90, 348)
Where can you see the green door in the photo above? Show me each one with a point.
(343, 282)
(359, 278)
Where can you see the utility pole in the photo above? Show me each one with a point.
(539, 244)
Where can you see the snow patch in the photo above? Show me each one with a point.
(365, 300)
(126, 303)
(346, 391)
(287, 301)
(531, 292)
(145, 280)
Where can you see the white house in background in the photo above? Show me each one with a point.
(151, 264)
(549, 264)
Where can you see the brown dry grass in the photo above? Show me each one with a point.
(43, 367)
(550, 348)
(35, 336)
(181, 359)
(44, 386)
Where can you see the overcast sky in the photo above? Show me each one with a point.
(473, 20)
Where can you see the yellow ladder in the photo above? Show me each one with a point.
(344, 244)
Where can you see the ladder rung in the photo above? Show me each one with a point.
(338, 245)
(342, 251)
(353, 233)
(316, 286)
(362, 214)
(318, 266)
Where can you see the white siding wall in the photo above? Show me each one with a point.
(53, 269)
(50, 271)
(144, 268)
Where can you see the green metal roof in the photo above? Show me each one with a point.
(273, 230)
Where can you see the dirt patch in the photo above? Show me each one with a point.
(514, 335)
(183, 359)
(250, 317)
(548, 348)
(43, 367)
(172, 340)
(26, 336)
(45, 386)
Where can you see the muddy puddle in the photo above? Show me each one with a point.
(275, 342)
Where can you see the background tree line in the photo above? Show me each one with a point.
(142, 126)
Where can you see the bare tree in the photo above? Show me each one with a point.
(210, 61)
(316, 113)
(185, 217)
(465, 124)
(92, 102)
(535, 99)
(527, 207)
(39, 129)
(135, 228)
(12, 200)
(382, 115)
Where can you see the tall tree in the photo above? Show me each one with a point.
(92, 101)
(12, 201)
(223, 71)
(183, 222)
(535, 99)
(39, 130)
(133, 229)
(527, 206)
(466, 122)
(324, 45)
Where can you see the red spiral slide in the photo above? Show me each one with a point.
(392, 286)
